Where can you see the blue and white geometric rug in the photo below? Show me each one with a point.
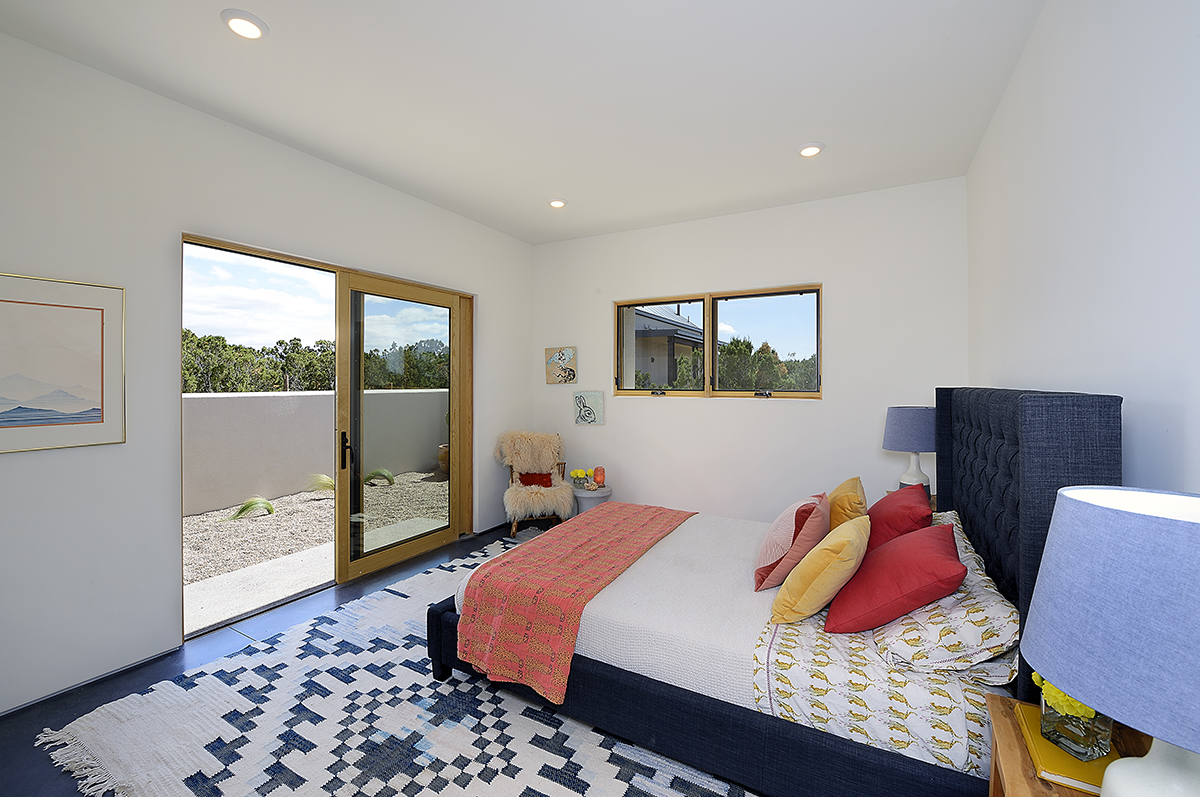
(344, 704)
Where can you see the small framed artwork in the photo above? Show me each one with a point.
(589, 408)
(560, 365)
(62, 369)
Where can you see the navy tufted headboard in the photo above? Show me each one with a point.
(1002, 456)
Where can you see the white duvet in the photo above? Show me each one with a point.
(686, 612)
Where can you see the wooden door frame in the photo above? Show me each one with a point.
(462, 336)
(461, 307)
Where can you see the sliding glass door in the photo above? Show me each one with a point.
(403, 421)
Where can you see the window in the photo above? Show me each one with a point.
(737, 343)
(662, 345)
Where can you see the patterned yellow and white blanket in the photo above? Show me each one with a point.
(840, 684)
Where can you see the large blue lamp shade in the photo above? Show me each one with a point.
(1114, 622)
(910, 429)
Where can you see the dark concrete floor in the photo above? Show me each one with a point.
(26, 771)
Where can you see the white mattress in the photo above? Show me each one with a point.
(686, 612)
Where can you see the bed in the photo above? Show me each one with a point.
(1002, 456)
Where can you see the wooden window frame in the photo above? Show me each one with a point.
(709, 304)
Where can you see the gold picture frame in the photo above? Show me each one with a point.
(62, 364)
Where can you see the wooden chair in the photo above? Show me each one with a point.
(544, 493)
(514, 480)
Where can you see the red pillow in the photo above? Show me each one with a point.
(540, 479)
(898, 513)
(897, 577)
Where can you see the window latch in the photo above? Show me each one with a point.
(762, 394)
(658, 392)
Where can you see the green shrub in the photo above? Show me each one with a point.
(255, 503)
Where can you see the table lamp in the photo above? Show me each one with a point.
(1114, 622)
(910, 429)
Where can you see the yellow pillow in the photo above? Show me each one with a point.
(847, 502)
(822, 572)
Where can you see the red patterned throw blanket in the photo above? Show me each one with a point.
(520, 613)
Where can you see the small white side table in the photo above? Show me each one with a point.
(589, 499)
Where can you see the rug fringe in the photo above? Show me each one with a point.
(76, 758)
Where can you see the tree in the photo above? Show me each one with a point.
(320, 367)
(212, 365)
(767, 372)
(734, 365)
(290, 356)
(689, 371)
(801, 374)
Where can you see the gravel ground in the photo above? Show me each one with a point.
(212, 546)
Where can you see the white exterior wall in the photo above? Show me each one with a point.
(236, 445)
(893, 266)
(1084, 243)
(100, 179)
(403, 429)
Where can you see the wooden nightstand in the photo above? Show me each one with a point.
(1012, 768)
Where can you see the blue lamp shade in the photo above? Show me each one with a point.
(909, 429)
(1114, 620)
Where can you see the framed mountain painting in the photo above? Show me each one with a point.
(62, 369)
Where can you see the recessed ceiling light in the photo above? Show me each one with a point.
(811, 148)
(558, 203)
(244, 24)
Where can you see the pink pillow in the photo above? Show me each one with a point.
(897, 577)
(898, 513)
(793, 534)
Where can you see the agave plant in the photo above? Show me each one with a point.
(382, 473)
(257, 502)
(320, 481)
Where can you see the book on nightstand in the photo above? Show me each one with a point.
(1054, 763)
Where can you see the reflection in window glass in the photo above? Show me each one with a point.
(767, 342)
(406, 345)
(661, 346)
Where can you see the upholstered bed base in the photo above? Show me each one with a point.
(764, 754)
(1002, 456)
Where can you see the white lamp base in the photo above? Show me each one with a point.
(1166, 771)
(914, 474)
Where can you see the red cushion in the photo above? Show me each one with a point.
(898, 513)
(540, 479)
(897, 577)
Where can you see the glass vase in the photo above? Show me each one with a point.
(1086, 738)
(580, 481)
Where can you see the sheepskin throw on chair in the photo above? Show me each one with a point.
(536, 489)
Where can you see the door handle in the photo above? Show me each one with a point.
(346, 447)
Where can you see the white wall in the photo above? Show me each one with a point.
(893, 268)
(237, 445)
(402, 430)
(1084, 201)
(99, 181)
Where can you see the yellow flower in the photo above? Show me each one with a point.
(1060, 701)
(591, 472)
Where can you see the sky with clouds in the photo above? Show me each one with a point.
(254, 301)
(787, 322)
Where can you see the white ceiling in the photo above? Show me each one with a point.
(638, 112)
